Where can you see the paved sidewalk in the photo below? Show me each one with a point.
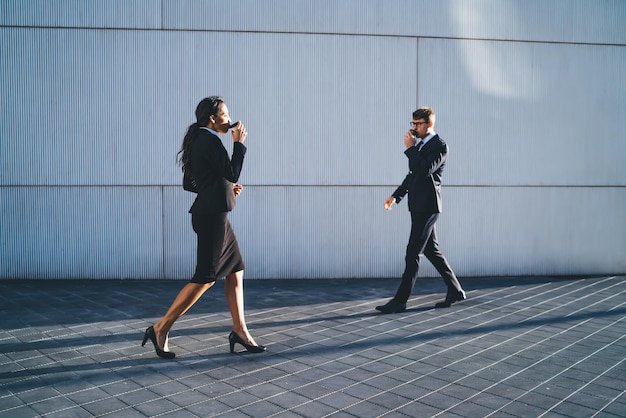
(518, 347)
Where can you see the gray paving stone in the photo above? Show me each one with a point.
(89, 395)
(23, 411)
(238, 399)
(338, 400)
(178, 414)
(616, 408)
(505, 391)
(289, 400)
(105, 406)
(574, 409)
(470, 409)
(189, 397)
(136, 397)
(512, 349)
(521, 409)
(313, 410)
(120, 386)
(208, 408)
(154, 407)
(74, 412)
(289, 414)
(261, 409)
(367, 409)
(417, 409)
(489, 400)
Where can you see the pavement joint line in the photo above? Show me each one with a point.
(421, 360)
(308, 323)
(588, 383)
(393, 355)
(147, 387)
(491, 365)
(355, 319)
(449, 313)
(479, 370)
(609, 403)
(426, 296)
(92, 326)
(421, 323)
(600, 301)
(278, 333)
(534, 329)
(308, 368)
(180, 321)
(579, 361)
(572, 301)
(369, 327)
(315, 332)
(549, 356)
(60, 337)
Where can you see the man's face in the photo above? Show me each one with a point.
(420, 127)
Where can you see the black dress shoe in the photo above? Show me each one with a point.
(151, 335)
(393, 306)
(451, 297)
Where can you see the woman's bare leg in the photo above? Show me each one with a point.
(234, 297)
(185, 300)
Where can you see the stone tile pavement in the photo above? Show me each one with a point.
(518, 347)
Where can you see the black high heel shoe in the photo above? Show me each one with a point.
(151, 335)
(234, 338)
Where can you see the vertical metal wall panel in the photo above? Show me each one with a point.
(138, 14)
(80, 232)
(396, 17)
(96, 97)
(88, 107)
(577, 21)
(528, 114)
(534, 230)
(300, 232)
(321, 110)
(312, 104)
(524, 20)
(179, 240)
(320, 232)
(115, 105)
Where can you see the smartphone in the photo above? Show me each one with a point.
(234, 125)
(414, 132)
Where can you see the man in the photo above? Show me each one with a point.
(427, 159)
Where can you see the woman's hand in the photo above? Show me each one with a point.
(237, 188)
(239, 133)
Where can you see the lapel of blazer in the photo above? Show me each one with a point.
(433, 140)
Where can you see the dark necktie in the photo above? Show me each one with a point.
(419, 144)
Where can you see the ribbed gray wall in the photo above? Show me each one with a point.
(96, 96)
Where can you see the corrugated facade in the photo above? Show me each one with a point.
(96, 96)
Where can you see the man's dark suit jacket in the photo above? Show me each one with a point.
(423, 183)
(214, 173)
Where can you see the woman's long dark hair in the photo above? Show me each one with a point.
(206, 108)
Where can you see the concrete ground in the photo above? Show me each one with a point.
(518, 347)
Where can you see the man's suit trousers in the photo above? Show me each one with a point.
(423, 240)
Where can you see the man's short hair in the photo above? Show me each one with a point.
(425, 113)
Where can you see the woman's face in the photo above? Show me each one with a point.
(221, 121)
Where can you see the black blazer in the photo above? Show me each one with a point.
(214, 173)
(423, 183)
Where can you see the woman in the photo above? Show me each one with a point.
(204, 159)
